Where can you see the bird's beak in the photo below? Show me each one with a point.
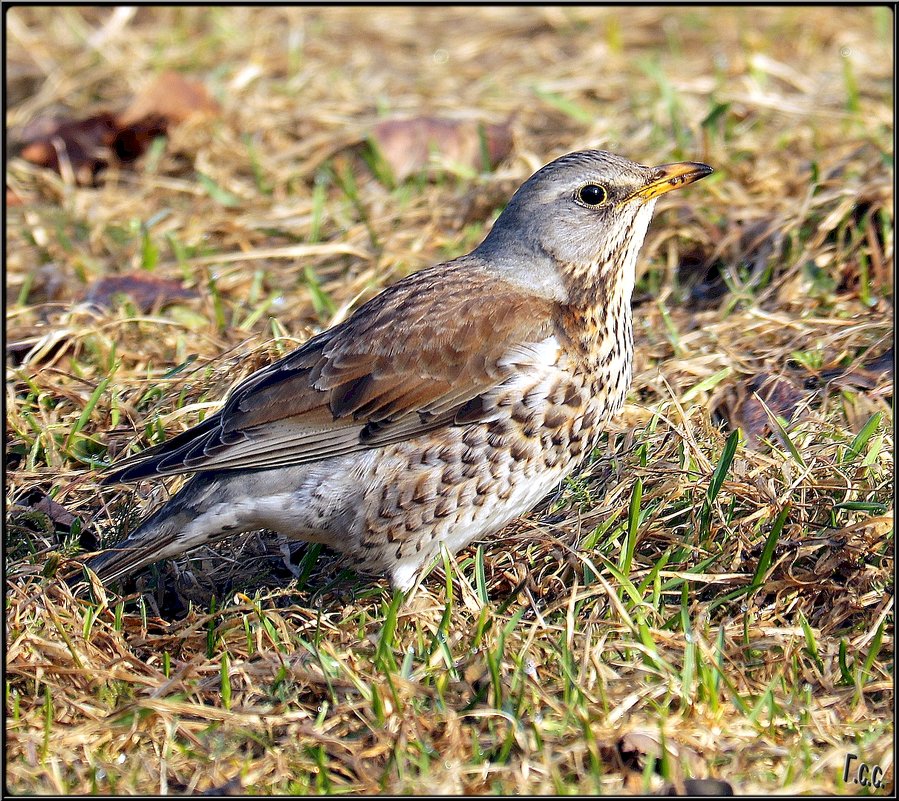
(671, 176)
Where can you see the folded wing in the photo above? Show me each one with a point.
(416, 357)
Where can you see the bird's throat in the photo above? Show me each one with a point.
(600, 331)
(597, 320)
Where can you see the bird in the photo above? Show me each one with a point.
(440, 410)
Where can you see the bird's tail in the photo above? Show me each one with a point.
(165, 533)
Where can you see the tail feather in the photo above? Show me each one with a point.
(164, 534)
(152, 541)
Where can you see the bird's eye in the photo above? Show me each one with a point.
(592, 194)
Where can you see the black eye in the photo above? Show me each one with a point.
(592, 194)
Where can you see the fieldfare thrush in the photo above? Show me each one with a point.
(443, 408)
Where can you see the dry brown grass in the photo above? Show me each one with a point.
(759, 655)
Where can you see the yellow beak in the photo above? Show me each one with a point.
(671, 176)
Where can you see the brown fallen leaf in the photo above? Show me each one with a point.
(407, 145)
(80, 148)
(146, 291)
(83, 148)
(37, 514)
(131, 141)
(57, 513)
(742, 405)
(865, 376)
(778, 393)
(171, 97)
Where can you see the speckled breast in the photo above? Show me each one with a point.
(455, 484)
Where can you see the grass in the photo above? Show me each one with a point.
(725, 604)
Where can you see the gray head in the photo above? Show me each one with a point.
(582, 216)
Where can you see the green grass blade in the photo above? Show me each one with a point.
(480, 576)
(87, 411)
(633, 515)
(220, 195)
(768, 551)
(861, 439)
(385, 641)
(782, 432)
(720, 473)
(717, 481)
(874, 650)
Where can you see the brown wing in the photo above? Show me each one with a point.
(413, 358)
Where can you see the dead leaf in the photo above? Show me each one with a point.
(741, 404)
(788, 394)
(132, 141)
(172, 98)
(80, 148)
(865, 376)
(146, 291)
(57, 513)
(38, 514)
(407, 145)
(83, 148)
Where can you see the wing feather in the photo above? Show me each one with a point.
(411, 359)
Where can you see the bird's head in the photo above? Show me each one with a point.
(584, 215)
